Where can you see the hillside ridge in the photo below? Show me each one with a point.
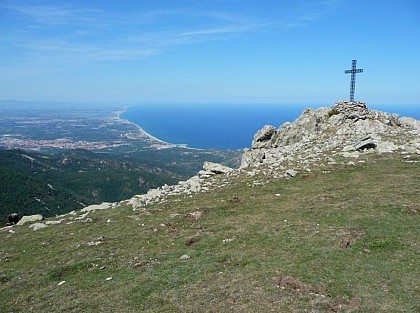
(327, 135)
(318, 137)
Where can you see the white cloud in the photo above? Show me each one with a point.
(54, 36)
(65, 34)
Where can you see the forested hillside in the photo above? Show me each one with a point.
(50, 184)
(25, 195)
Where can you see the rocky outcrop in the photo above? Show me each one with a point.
(203, 181)
(263, 137)
(347, 129)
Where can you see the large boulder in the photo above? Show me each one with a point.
(94, 207)
(30, 219)
(263, 138)
(366, 144)
(216, 168)
(410, 122)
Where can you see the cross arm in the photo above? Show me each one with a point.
(354, 71)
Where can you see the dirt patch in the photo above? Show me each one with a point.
(412, 209)
(288, 282)
(235, 200)
(347, 242)
(141, 264)
(189, 242)
(328, 303)
(350, 236)
(348, 305)
(4, 279)
(194, 215)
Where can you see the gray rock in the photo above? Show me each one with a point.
(348, 148)
(291, 173)
(353, 154)
(216, 168)
(94, 207)
(386, 147)
(410, 148)
(53, 222)
(366, 144)
(194, 184)
(263, 137)
(30, 219)
(205, 174)
(410, 122)
(37, 226)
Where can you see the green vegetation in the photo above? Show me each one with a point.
(332, 112)
(24, 195)
(52, 184)
(344, 239)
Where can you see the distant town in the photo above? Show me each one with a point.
(72, 128)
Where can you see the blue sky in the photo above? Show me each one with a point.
(209, 51)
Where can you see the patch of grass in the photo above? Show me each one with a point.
(332, 112)
(350, 236)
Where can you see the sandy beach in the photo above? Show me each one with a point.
(161, 144)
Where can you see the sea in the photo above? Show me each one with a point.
(217, 126)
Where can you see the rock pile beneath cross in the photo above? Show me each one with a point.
(345, 130)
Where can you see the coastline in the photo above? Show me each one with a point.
(215, 127)
(164, 144)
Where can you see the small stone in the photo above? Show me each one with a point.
(61, 283)
(194, 215)
(185, 257)
(108, 278)
(53, 222)
(291, 173)
(228, 240)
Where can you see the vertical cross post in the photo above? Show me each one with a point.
(353, 72)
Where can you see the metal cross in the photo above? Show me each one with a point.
(353, 72)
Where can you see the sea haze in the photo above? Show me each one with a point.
(221, 126)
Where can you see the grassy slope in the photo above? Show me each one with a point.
(297, 228)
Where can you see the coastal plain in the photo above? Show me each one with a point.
(54, 160)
